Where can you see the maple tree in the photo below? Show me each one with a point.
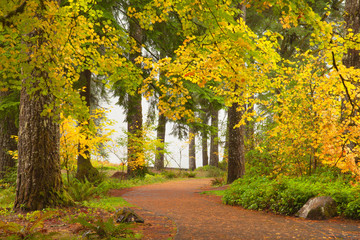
(245, 63)
(49, 43)
(303, 71)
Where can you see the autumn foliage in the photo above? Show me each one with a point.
(306, 106)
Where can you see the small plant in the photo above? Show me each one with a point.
(190, 174)
(168, 174)
(218, 181)
(211, 171)
(100, 229)
(7, 196)
(81, 191)
(32, 230)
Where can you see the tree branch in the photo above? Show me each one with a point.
(343, 83)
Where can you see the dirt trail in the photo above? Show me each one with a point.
(199, 216)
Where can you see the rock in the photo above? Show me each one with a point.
(318, 208)
(127, 215)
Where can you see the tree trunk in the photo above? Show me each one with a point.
(39, 182)
(226, 145)
(84, 167)
(204, 139)
(39, 178)
(352, 16)
(204, 144)
(236, 147)
(214, 143)
(250, 130)
(161, 130)
(236, 151)
(352, 59)
(7, 129)
(136, 161)
(192, 152)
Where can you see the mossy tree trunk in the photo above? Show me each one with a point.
(85, 170)
(236, 148)
(161, 131)
(136, 163)
(214, 143)
(39, 178)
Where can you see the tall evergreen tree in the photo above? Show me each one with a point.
(236, 145)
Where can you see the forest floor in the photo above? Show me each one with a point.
(202, 216)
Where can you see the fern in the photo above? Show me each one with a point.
(32, 230)
(81, 191)
(101, 229)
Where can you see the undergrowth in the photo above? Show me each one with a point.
(211, 171)
(287, 195)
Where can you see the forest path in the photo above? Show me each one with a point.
(198, 216)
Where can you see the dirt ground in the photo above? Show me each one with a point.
(198, 216)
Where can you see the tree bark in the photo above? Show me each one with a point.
(236, 151)
(204, 144)
(39, 178)
(214, 143)
(204, 139)
(161, 130)
(236, 147)
(136, 163)
(250, 131)
(192, 152)
(39, 182)
(352, 19)
(352, 59)
(7, 143)
(85, 170)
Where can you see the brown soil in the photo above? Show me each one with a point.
(198, 216)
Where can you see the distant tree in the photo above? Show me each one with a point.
(214, 141)
(192, 150)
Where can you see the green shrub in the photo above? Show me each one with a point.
(189, 174)
(80, 191)
(153, 178)
(9, 177)
(168, 174)
(287, 195)
(7, 197)
(223, 165)
(352, 209)
(211, 171)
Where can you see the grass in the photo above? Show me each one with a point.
(214, 192)
(107, 203)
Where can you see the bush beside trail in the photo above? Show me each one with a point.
(287, 195)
